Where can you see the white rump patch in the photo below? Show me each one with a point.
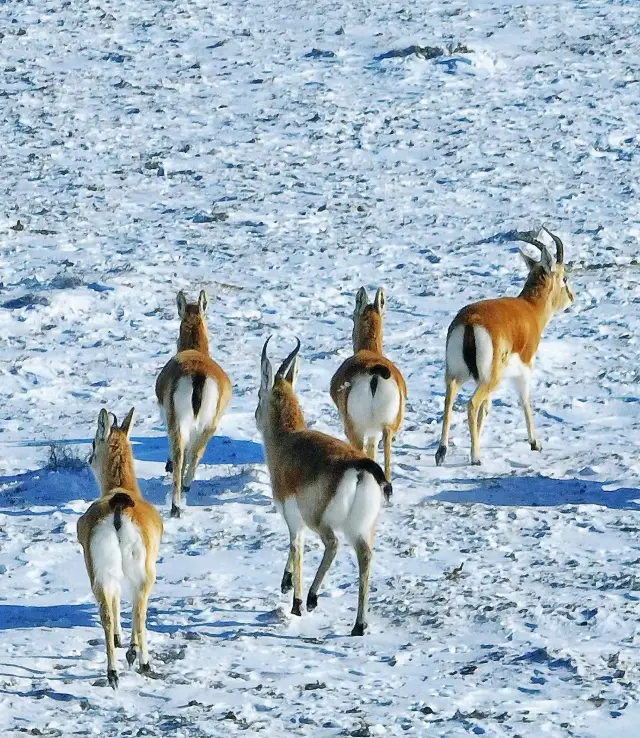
(355, 506)
(456, 367)
(106, 556)
(190, 426)
(117, 555)
(368, 413)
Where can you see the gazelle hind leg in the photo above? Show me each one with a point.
(372, 447)
(330, 541)
(483, 414)
(177, 456)
(293, 569)
(138, 627)
(117, 635)
(354, 439)
(106, 607)
(197, 451)
(363, 553)
(478, 398)
(451, 393)
(387, 437)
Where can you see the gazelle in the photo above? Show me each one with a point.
(368, 389)
(318, 482)
(193, 392)
(499, 338)
(120, 537)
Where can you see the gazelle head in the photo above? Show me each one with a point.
(193, 329)
(547, 275)
(278, 408)
(367, 321)
(111, 451)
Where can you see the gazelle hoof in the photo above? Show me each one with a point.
(476, 462)
(440, 454)
(145, 669)
(168, 467)
(131, 655)
(112, 678)
(312, 601)
(359, 629)
(297, 607)
(175, 511)
(117, 641)
(535, 446)
(287, 582)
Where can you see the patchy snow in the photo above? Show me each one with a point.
(278, 155)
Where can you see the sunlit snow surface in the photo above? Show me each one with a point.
(264, 151)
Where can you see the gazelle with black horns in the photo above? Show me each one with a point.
(368, 389)
(493, 339)
(120, 537)
(193, 392)
(318, 482)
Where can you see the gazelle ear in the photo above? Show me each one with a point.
(378, 303)
(182, 304)
(362, 300)
(104, 426)
(528, 260)
(202, 302)
(128, 422)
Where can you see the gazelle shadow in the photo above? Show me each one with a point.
(539, 491)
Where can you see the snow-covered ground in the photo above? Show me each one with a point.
(267, 152)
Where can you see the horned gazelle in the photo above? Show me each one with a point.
(193, 392)
(120, 536)
(318, 482)
(499, 338)
(368, 389)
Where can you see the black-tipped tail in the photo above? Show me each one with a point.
(117, 504)
(469, 351)
(379, 370)
(198, 390)
(369, 465)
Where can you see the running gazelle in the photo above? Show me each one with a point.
(498, 338)
(120, 537)
(368, 389)
(318, 482)
(193, 392)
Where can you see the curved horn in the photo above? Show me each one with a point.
(559, 246)
(529, 239)
(286, 364)
(264, 349)
(115, 420)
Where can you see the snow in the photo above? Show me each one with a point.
(262, 152)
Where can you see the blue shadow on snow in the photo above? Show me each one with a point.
(539, 491)
(53, 488)
(13, 617)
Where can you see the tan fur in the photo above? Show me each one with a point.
(515, 325)
(367, 348)
(192, 360)
(308, 465)
(112, 464)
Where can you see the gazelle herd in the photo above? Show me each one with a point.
(318, 481)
